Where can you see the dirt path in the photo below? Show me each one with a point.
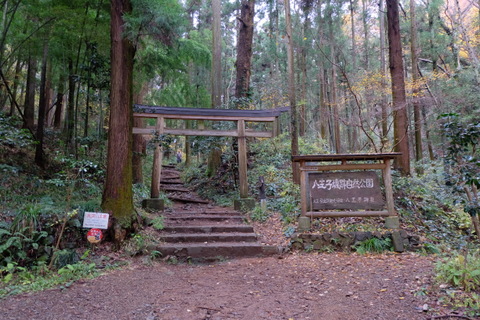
(297, 286)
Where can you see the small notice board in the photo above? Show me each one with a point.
(97, 220)
(350, 187)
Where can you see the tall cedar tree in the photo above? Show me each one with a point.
(416, 89)
(399, 99)
(117, 194)
(244, 49)
(42, 107)
(291, 91)
(217, 55)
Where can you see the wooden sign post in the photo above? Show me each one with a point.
(345, 185)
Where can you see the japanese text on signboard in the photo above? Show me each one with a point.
(95, 220)
(345, 190)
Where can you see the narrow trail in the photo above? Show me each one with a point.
(299, 286)
(326, 286)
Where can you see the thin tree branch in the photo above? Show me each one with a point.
(12, 98)
(25, 40)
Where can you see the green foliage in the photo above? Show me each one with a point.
(430, 248)
(19, 279)
(460, 270)
(373, 245)
(11, 136)
(138, 244)
(65, 257)
(258, 214)
(24, 247)
(463, 152)
(429, 206)
(27, 219)
(158, 223)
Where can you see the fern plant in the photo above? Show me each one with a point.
(373, 245)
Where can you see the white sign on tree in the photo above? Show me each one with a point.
(97, 220)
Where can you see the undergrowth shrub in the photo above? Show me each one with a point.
(461, 270)
(11, 135)
(458, 276)
(429, 206)
(373, 245)
(259, 214)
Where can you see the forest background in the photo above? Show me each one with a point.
(355, 81)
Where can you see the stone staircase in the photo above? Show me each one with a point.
(208, 234)
(198, 230)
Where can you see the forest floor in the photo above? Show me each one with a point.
(294, 285)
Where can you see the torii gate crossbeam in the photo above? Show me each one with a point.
(241, 117)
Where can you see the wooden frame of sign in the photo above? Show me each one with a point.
(346, 188)
(241, 117)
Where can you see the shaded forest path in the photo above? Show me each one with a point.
(294, 285)
(298, 286)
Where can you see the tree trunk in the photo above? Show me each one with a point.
(244, 50)
(42, 106)
(117, 193)
(139, 143)
(29, 107)
(306, 6)
(417, 118)
(291, 91)
(399, 101)
(87, 111)
(354, 45)
(217, 55)
(215, 155)
(384, 75)
(18, 69)
(70, 118)
(48, 96)
(333, 87)
(365, 34)
(57, 121)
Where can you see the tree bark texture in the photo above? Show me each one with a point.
(139, 142)
(383, 73)
(70, 118)
(57, 120)
(18, 69)
(291, 92)
(117, 194)
(399, 100)
(29, 106)
(417, 117)
(42, 106)
(244, 49)
(217, 55)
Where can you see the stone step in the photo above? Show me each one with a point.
(216, 249)
(173, 188)
(209, 237)
(172, 181)
(209, 228)
(202, 218)
(208, 212)
(187, 199)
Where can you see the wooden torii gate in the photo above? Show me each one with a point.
(241, 117)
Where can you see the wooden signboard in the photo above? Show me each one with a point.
(345, 191)
(345, 185)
